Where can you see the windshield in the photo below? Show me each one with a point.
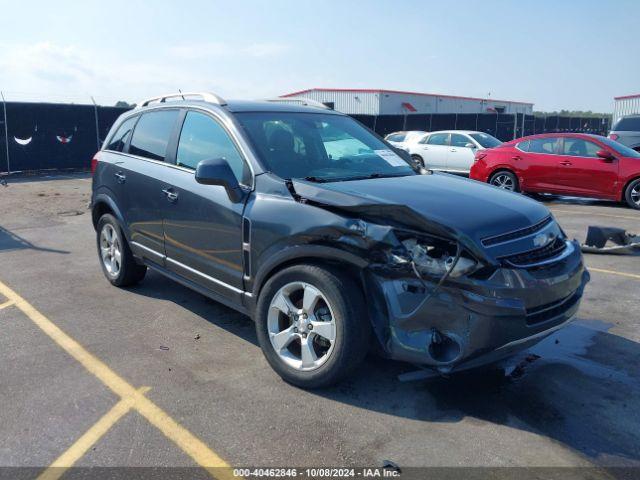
(486, 140)
(620, 148)
(320, 147)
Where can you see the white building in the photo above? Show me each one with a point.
(626, 105)
(394, 102)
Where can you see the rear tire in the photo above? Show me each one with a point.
(505, 180)
(418, 161)
(339, 336)
(116, 259)
(632, 194)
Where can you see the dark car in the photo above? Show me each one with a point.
(626, 131)
(303, 219)
(576, 164)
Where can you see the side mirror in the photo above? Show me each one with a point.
(470, 145)
(216, 171)
(606, 156)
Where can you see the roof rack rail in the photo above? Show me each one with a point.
(206, 96)
(307, 102)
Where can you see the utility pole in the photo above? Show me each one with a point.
(6, 131)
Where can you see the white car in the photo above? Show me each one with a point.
(450, 150)
(402, 139)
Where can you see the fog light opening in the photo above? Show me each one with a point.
(443, 348)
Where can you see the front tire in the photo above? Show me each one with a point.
(116, 259)
(632, 194)
(311, 325)
(418, 161)
(505, 180)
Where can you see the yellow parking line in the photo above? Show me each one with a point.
(90, 438)
(189, 443)
(613, 272)
(6, 304)
(577, 212)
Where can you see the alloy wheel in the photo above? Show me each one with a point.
(110, 250)
(301, 326)
(635, 194)
(503, 181)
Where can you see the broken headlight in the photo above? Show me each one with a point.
(435, 257)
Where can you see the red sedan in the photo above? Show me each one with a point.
(574, 164)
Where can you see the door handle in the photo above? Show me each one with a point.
(516, 157)
(453, 150)
(120, 177)
(566, 164)
(170, 194)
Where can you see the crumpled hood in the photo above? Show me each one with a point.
(459, 206)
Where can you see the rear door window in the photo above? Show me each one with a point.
(121, 137)
(523, 146)
(396, 137)
(438, 139)
(152, 134)
(543, 145)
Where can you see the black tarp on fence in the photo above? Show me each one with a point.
(45, 136)
(500, 125)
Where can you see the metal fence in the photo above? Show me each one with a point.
(43, 136)
(501, 125)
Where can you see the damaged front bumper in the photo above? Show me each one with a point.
(471, 321)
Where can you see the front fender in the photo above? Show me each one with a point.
(278, 256)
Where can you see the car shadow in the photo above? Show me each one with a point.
(11, 241)
(580, 386)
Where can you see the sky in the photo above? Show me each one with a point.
(574, 55)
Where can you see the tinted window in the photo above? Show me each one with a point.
(120, 138)
(438, 139)
(151, 136)
(524, 146)
(323, 147)
(486, 140)
(627, 124)
(578, 147)
(542, 145)
(458, 140)
(203, 138)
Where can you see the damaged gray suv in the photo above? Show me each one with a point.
(328, 237)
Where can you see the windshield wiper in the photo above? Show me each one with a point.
(376, 175)
(315, 179)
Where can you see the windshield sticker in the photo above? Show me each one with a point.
(391, 158)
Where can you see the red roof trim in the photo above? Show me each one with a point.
(365, 90)
(627, 96)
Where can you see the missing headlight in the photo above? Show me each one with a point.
(435, 257)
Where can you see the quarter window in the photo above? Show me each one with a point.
(121, 137)
(152, 133)
(543, 145)
(577, 147)
(202, 138)
(438, 139)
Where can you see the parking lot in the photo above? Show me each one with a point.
(160, 376)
